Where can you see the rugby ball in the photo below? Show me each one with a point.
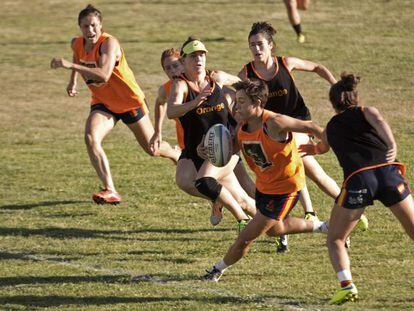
(219, 145)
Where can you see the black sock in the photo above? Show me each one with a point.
(310, 213)
(297, 28)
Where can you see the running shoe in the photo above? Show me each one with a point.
(282, 244)
(344, 294)
(212, 275)
(362, 223)
(106, 197)
(216, 213)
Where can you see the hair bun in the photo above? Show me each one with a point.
(349, 81)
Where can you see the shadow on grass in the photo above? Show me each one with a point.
(39, 204)
(54, 301)
(67, 233)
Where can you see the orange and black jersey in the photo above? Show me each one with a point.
(355, 142)
(196, 122)
(284, 96)
(277, 165)
(121, 93)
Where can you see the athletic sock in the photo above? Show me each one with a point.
(310, 213)
(320, 226)
(221, 265)
(344, 277)
(297, 28)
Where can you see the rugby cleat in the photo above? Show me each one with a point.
(344, 294)
(362, 223)
(212, 275)
(309, 216)
(282, 244)
(216, 213)
(241, 224)
(301, 38)
(106, 197)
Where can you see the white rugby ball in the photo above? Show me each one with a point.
(219, 145)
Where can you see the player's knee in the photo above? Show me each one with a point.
(91, 141)
(209, 187)
(184, 183)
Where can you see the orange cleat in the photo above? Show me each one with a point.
(106, 197)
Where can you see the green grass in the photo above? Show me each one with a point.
(59, 251)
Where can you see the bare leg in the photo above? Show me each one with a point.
(98, 125)
(143, 131)
(292, 11)
(303, 4)
(244, 179)
(259, 225)
(404, 211)
(185, 176)
(316, 173)
(341, 224)
(225, 196)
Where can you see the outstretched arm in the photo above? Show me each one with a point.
(223, 78)
(294, 63)
(373, 116)
(103, 72)
(280, 124)
(160, 110)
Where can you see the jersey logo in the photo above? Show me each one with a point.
(278, 93)
(218, 108)
(254, 150)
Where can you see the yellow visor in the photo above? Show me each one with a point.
(193, 46)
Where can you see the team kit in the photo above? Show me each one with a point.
(259, 114)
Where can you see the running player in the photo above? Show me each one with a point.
(173, 68)
(268, 145)
(292, 7)
(197, 101)
(100, 60)
(366, 150)
(285, 98)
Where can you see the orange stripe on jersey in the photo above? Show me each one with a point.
(289, 204)
(121, 93)
(178, 127)
(278, 166)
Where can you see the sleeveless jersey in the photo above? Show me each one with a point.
(178, 127)
(196, 122)
(355, 142)
(277, 165)
(121, 93)
(284, 97)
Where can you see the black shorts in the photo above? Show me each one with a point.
(276, 206)
(127, 117)
(384, 183)
(198, 162)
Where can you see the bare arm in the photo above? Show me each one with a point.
(175, 105)
(223, 78)
(103, 72)
(160, 109)
(373, 116)
(280, 124)
(71, 87)
(294, 63)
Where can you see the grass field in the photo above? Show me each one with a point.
(59, 251)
